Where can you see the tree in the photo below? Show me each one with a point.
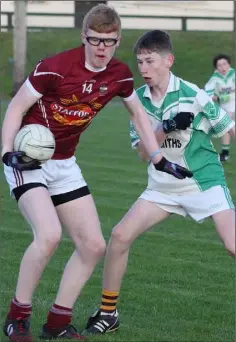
(81, 8)
(19, 44)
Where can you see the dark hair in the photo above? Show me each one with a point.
(220, 56)
(154, 41)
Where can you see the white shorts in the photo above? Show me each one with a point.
(59, 176)
(198, 205)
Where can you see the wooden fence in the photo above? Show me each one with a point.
(184, 20)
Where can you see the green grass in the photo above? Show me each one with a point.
(193, 51)
(180, 281)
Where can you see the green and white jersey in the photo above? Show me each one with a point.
(191, 148)
(223, 87)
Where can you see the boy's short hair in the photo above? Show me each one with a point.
(154, 41)
(220, 56)
(102, 19)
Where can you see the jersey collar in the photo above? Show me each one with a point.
(224, 76)
(90, 68)
(174, 85)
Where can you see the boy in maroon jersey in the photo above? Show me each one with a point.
(64, 93)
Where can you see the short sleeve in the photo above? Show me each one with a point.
(43, 78)
(126, 81)
(216, 121)
(133, 135)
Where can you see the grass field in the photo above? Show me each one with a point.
(180, 281)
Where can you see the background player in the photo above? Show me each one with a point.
(65, 92)
(221, 87)
(204, 195)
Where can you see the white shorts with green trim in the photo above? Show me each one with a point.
(198, 205)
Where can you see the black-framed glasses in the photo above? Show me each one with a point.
(95, 41)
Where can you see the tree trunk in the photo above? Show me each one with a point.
(81, 9)
(19, 44)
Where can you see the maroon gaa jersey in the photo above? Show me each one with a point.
(73, 94)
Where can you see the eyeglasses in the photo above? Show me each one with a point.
(95, 41)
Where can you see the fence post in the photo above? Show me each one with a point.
(184, 24)
(9, 21)
(19, 44)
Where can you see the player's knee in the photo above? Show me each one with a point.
(48, 244)
(121, 238)
(96, 247)
(99, 248)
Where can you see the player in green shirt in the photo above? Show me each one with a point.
(205, 195)
(221, 87)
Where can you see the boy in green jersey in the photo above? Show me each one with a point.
(167, 98)
(221, 87)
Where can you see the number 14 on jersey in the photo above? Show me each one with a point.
(87, 87)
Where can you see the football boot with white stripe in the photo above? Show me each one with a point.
(101, 323)
(67, 333)
(18, 330)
